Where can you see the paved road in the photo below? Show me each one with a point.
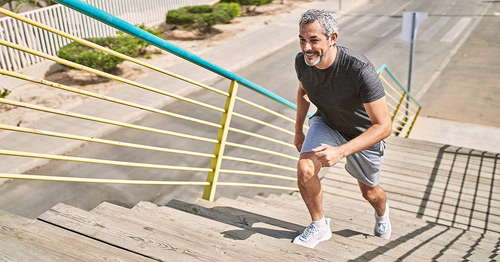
(374, 30)
(468, 88)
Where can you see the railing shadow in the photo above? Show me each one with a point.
(459, 196)
(466, 179)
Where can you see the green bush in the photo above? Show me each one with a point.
(203, 17)
(96, 59)
(248, 2)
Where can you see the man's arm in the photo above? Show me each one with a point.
(302, 109)
(381, 128)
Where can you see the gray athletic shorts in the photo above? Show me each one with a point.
(364, 165)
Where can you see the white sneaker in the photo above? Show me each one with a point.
(312, 235)
(383, 229)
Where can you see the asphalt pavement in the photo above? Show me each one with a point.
(460, 105)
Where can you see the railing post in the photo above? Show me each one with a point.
(216, 162)
(413, 122)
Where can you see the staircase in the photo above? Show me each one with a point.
(444, 207)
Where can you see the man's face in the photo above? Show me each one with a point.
(314, 43)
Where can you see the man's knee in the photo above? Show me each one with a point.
(306, 168)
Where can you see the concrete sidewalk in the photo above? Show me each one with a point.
(232, 55)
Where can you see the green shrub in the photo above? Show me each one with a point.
(96, 59)
(203, 17)
(248, 2)
(90, 57)
(227, 11)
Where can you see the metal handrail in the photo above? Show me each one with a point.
(406, 98)
(220, 143)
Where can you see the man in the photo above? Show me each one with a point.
(351, 122)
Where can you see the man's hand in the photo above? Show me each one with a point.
(328, 155)
(299, 140)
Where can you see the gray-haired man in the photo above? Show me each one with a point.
(351, 122)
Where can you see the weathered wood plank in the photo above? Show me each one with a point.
(24, 239)
(359, 244)
(149, 242)
(447, 200)
(397, 247)
(354, 215)
(269, 232)
(179, 224)
(450, 213)
(237, 214)
(281, 249)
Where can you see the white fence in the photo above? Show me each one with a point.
(60, 17)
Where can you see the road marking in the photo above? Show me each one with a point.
(432, 30)
(377, 22)
(358, 22)
(389, 29)
(456, 30)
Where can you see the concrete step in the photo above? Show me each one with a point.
(23, 239)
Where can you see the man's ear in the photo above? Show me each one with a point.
(334, 38)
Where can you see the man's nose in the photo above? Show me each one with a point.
(307, 46)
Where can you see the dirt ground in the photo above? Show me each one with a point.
(59, 99)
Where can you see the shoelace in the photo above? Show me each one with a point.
(309, 232)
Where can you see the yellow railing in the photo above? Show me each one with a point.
(268, 154)
(403, 106)
(271, 160)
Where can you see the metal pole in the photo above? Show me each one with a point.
(340, 4)
(412, 47)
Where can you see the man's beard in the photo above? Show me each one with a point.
(320, 58)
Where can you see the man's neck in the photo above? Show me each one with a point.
(329, 59)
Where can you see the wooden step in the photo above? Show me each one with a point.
(436, 212)
(436, 243)
(148, 241)
(220, 225)
(23, 239)
(179, 225)
(261, 224)
(435, 201)
(359, 244)
(437, 237)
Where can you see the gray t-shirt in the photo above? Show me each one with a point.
(340, 90)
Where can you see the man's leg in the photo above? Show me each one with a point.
(309, 184)
(375, 196)
(312, 194)
(378, 199)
